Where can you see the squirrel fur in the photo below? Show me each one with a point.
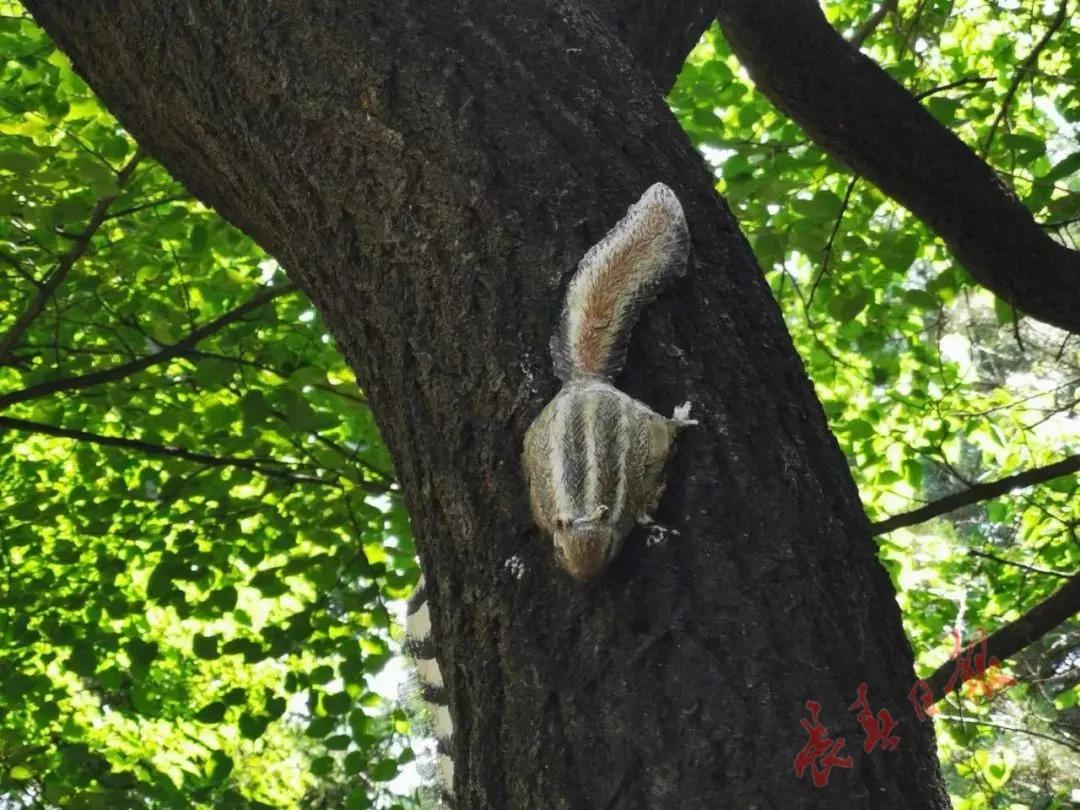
(594, 458)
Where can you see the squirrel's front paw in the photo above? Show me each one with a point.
(655, 533)
(681, 416)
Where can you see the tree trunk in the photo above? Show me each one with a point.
(430, 173)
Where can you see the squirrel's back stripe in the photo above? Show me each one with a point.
(419, 644)
(614, 280)
(590, 444)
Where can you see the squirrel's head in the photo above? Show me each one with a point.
(584, 545)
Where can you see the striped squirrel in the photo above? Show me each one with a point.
(421, 648)
(594, 457)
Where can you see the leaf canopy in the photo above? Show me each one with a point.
(202, 540)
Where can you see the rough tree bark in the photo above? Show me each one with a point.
(430, 172)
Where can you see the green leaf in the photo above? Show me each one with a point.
(1065, 167)
(83, 660)
(339, 742)
(19, 162)
(252, 727)
(269, 583)
(235, 697)
(355, 762)
(321, 675)
(849, 303)
(352, 671)
(220, 765)
(357, 800)
(943, 108)
(275, 707)
(199, 238)
(337, 703)
(211, 713)
(223, 599)
(254, 408)
(319, 727)
(860, 429)
(384, 770)
(206, 647)
(1004, 312)
(301, 416)
(1067, 699)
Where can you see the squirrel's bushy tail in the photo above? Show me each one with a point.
(619, 275)
(420, 647)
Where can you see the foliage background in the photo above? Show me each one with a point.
(202, 543)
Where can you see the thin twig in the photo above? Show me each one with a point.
(241, 361)
(1025, 68)
(951, 85)
(24, 274)
(67, 261)
(991, 724)
(163, 355)
(827, 253)
(1059, 223)
(123, 212)
(269, 467)
(872, 22)
(976, 553)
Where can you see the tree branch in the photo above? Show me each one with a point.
(268, 467)
(660, 33)
(941, 88)
(977, 493)
(871, 23)
(165, 354)
(1022, 71)
(1012, 638)
(859, 115)
(23, 273)
(67, 261)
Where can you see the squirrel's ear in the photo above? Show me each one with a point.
(618, 276)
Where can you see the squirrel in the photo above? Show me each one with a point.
(594, 458)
